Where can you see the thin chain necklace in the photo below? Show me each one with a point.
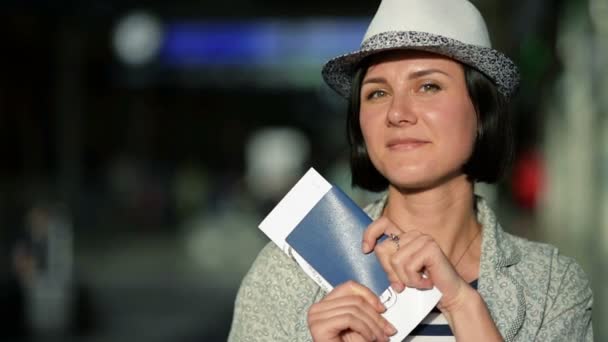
(467, 249)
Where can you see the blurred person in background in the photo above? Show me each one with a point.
(428, 119)
(41, 298)
(12, 293)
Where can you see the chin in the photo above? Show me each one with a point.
(420, 179)
(411, 179)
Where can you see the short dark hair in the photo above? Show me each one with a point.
(493, 150)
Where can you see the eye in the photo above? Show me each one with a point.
(375, 94)
(430, 87)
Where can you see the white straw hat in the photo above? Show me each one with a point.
(453, 28)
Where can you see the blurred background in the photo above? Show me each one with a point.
(142, 142)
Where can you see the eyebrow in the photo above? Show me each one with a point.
(413, 75)
(374, 80)
(425, 72)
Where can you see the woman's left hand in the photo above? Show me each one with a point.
(415, 260)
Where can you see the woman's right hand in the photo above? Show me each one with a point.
(350, 312)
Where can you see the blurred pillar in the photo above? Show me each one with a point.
(571, 143)
(599, 17)
(598, 10)
(575, 204)
(68, 111)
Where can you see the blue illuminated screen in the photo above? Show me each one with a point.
(259, 43)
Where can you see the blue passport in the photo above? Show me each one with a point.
(329, 239)
(322, 229)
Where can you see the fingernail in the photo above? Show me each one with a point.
(390, 329)
(380, 306)
(365, 247)
(397, 287)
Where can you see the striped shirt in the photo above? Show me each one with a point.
(434, 328)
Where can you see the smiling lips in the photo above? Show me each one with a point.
(405, 143)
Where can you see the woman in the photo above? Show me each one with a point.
(427, 119)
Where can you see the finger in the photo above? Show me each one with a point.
(420, 280)
(375, 230)
(411, 261)
(436, 265)
(350, 288)
(351, 336)
(356, 306)
(353, 300)
(384, 252)
(328, 329)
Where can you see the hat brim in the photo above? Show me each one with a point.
(338, 72)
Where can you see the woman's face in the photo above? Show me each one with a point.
(418, 122)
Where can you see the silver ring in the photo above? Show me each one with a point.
(395, 239)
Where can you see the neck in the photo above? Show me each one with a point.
(446, 213)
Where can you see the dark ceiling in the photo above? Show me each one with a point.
(198, 8)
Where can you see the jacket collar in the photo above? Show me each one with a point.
(504, 252)
(504, 296)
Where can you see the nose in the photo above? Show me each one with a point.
(401, 112)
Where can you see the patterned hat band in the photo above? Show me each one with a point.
(339, 71)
